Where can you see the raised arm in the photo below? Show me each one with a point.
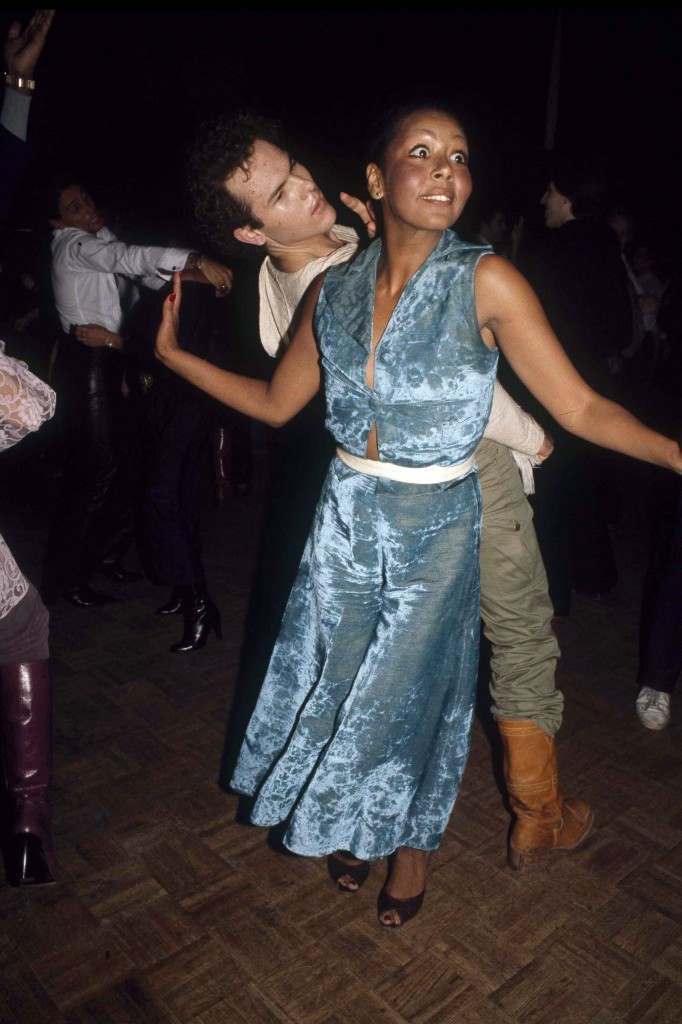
(509, 311)
(23, 46)
(294, 382)
(109, 256)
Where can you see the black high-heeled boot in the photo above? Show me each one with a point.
(26, 723)
(201, 616)
(174, 604)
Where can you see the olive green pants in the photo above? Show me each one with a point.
(515, 605)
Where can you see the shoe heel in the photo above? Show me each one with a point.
(26, 863)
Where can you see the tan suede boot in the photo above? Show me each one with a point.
(545, 822)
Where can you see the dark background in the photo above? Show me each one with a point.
(119, 95)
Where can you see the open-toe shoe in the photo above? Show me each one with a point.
(405, 909)
(339, 869)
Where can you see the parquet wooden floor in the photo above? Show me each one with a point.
(168, 911)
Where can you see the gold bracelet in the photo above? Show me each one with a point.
(19, 82)
(194, 261)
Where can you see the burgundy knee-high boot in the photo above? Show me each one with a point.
(26, 724)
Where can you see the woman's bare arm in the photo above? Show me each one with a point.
(294, 382)
(510, 309)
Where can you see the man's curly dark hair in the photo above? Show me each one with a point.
(221, 146)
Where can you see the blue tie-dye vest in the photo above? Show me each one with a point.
(433, 379)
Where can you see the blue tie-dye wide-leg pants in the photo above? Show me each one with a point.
(361, 731)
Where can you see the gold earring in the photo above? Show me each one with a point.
(377, 195)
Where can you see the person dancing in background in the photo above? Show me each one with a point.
(93, 526)
(361, 732)
(176, 421)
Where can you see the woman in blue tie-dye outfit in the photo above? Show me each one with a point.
(361, 731)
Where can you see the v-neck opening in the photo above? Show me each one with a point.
(373, 299)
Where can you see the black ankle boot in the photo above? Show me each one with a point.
(174, 604)
(201, 616)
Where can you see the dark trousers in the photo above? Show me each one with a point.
(660, 649)
(93, 519)
(573, 505)
(177, 439)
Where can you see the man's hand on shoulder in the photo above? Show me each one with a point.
(546, 448)
(365, 211)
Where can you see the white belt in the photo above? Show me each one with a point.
(408, 474)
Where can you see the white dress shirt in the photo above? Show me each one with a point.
(84, 268)
(15, 111)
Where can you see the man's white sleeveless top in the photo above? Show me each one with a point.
(280, 293)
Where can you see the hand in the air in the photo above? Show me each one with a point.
(24, 46)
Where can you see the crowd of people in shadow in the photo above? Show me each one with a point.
(436, 460)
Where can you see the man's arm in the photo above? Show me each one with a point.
(102, 255)
(21, 52)
(109, 256)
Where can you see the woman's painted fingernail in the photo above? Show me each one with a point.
(171, 298)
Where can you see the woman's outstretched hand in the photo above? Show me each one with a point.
(167, 334)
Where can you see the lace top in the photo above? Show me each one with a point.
(25, 403)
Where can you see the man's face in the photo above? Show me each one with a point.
(282, 195)
(557, 206)
(77, 210)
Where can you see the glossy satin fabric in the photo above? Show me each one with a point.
(433, 378)
(361, 731)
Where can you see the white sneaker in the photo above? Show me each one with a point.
(653, 708)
